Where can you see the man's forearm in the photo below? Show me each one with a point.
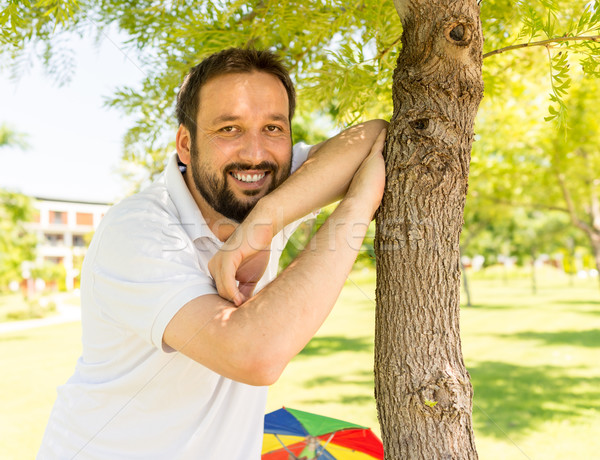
(254, 342)
(322, 179)
(295, 304)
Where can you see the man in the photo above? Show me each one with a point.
(184, 320)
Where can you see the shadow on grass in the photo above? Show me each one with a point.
(320, 346)
(361, 378)
(577, 302)
(344, 399)
(356, 378)
(490, 307)
(11, 338)
(589, 338)
(512, 399)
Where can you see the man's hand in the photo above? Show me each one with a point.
(368, 182)
(244, 258)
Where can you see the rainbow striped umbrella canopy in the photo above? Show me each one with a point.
(294, 434)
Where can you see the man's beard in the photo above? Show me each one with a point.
(217, 193)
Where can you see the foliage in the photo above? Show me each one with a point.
(531, 164)
(341, 52)
(16, 244)
(49, 272)
(302, 236)
(563, 27)
(8, 136)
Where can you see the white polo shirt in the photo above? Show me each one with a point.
(130, 396)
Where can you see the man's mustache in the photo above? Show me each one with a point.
(262, 166)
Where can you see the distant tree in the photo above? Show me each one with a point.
(11, 138)
(544, 168)
(572, 163)
(16, 243)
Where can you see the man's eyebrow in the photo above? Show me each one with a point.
(226, 118)
(229, 118)
(279, 117)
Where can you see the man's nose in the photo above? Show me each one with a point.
(253, 150)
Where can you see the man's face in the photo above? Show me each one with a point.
(243, 142)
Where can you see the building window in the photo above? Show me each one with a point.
(54, 260)
(58, 217)
(53, 239)
(85, 218)
(78, 241)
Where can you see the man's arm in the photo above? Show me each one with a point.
(254, 342)
(321, 180)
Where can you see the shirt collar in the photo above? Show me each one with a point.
(190, 216)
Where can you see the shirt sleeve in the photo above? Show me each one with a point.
(300, 153)
(144, 270)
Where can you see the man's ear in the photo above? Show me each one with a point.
(183, 144)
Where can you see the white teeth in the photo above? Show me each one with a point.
(249, 177)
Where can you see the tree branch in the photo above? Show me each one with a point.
(593, 38)
(388, 49)
(546, 207)
(592, 182)
(571, 206)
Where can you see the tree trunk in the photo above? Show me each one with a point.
(595, 240)
(423, 392)
(533, 272)
(465, 278)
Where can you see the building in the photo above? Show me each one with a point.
(63, 229)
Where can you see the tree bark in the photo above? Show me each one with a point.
(422, 388)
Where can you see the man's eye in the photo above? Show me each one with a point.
(228, 129)
(273, 128)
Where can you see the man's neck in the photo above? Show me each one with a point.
(221, 226)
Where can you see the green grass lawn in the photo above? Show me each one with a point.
(533, 361)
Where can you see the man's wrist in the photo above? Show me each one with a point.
(261, 225)
(269, 212)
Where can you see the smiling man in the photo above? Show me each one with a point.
(243, 132)
(185, 321)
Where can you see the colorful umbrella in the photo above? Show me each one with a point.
(292, 434)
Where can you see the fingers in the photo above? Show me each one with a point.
(245, 291)
(223, 272)
(379, 142)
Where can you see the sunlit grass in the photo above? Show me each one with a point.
(32, 364)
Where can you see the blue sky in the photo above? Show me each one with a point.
(75, 142)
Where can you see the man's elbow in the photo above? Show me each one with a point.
(260, 371)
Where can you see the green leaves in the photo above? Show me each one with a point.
(534, 20)
(10, 137)
(571, 27)
(341, 53)
(16, 243)
(560, 81)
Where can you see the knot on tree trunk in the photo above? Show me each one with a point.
(445, 396)
(459, 31)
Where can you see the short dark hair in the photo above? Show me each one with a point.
(228, 61)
